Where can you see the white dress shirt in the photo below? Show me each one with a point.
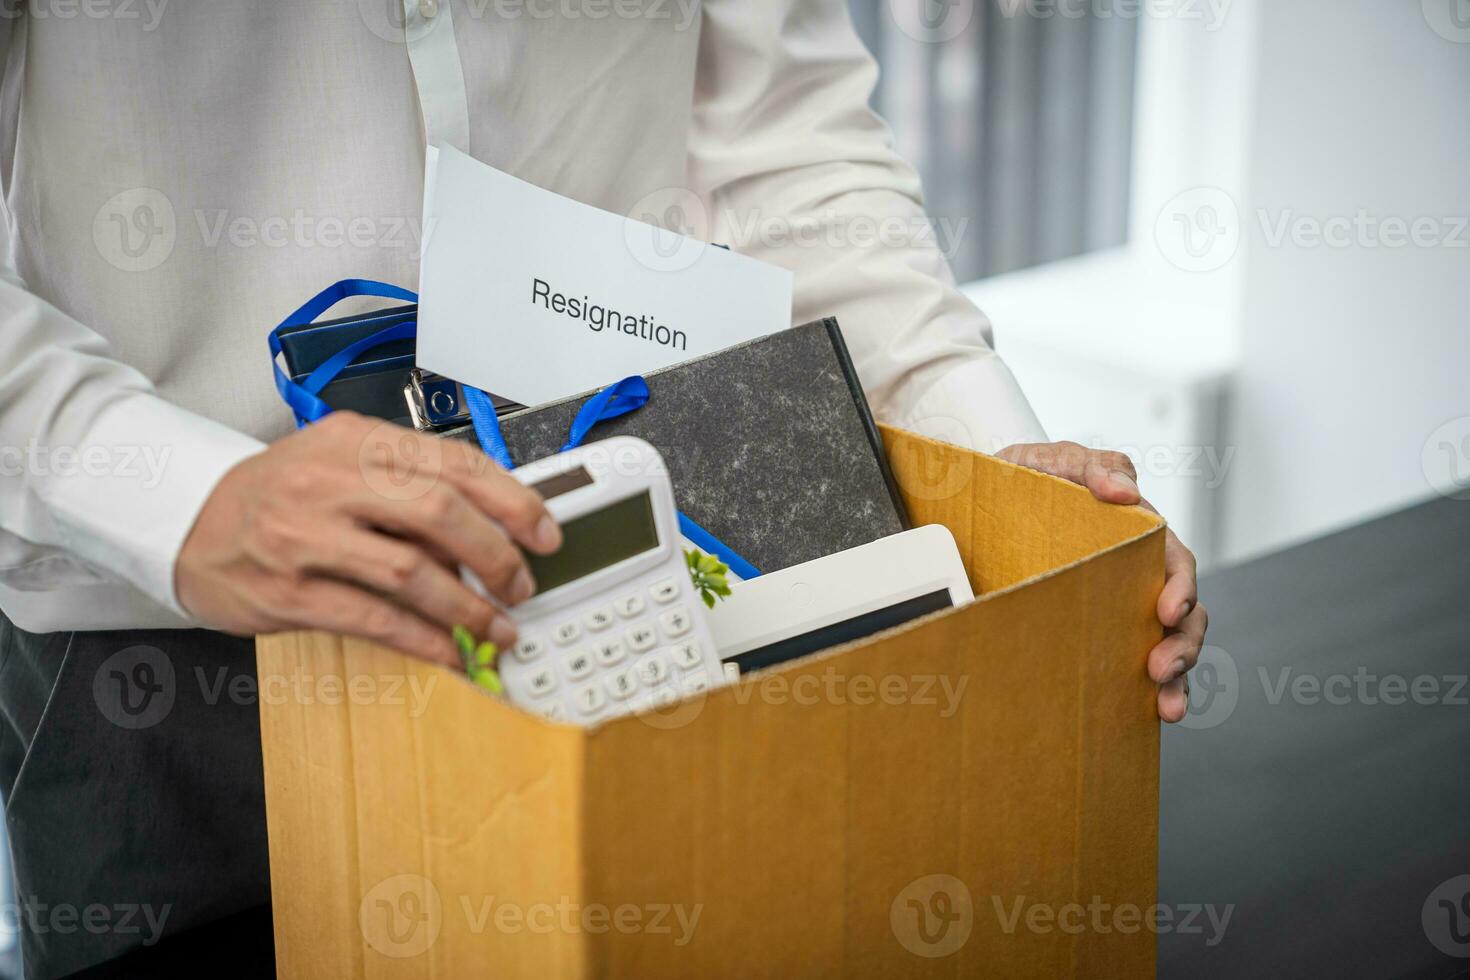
(178, 177)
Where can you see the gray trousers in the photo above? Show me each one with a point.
(131, 773)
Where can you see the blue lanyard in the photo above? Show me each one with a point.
(617, 399)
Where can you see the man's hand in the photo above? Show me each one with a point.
(358, 527)
(1111, 478)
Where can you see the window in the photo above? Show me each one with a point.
(1022, 122)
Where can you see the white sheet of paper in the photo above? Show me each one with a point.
(534, 297)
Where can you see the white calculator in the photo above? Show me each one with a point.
(615, 624)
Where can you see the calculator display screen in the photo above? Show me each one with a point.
(597, 540)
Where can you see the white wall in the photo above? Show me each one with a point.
(1351, 358)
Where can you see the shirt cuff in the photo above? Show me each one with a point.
(135, 486)
(976, 404)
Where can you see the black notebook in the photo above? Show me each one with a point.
(770, 446)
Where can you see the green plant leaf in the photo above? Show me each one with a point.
(708, 574)
(489, 679)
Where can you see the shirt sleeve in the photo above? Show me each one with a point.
(99, 476)
(795, 169)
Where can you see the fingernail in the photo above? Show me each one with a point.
(1124, 480)
(522, 587)
(1176, 670)
(502, 632)
(1185, 608)
(547, 535)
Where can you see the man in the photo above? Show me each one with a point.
(176, 179)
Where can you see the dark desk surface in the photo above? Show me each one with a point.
(1328, 823)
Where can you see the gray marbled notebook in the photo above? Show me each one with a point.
(770, 445)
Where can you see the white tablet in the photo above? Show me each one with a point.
(842, 597)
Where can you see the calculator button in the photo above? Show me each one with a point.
(732, 671)
(599, 619)
(688, 655)
(611, 653)
(567, 632)
(664, 590)
(579, 665)
(696, 681)
(641, 639)
(553, 711)
(653, 671)
(529, 649)
(665, 696)
(542, 683)
(629, 606)
(623, 684)
(589, 699)
(675, 622)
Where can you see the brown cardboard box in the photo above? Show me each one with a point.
(975, 793)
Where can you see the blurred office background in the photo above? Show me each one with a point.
(1149, 197)
(1226, 237)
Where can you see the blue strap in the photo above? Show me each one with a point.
(302, 398)
(487, 426)
(712, 545)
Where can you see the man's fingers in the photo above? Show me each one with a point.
(1174, 700)
(1109, 475)
(444, 518)
(1111, 478)
(1179, 651)
(518, 508)
(1180, 594)
(337, 607)
(411, 577)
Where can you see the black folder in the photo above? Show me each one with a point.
(770, 445)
